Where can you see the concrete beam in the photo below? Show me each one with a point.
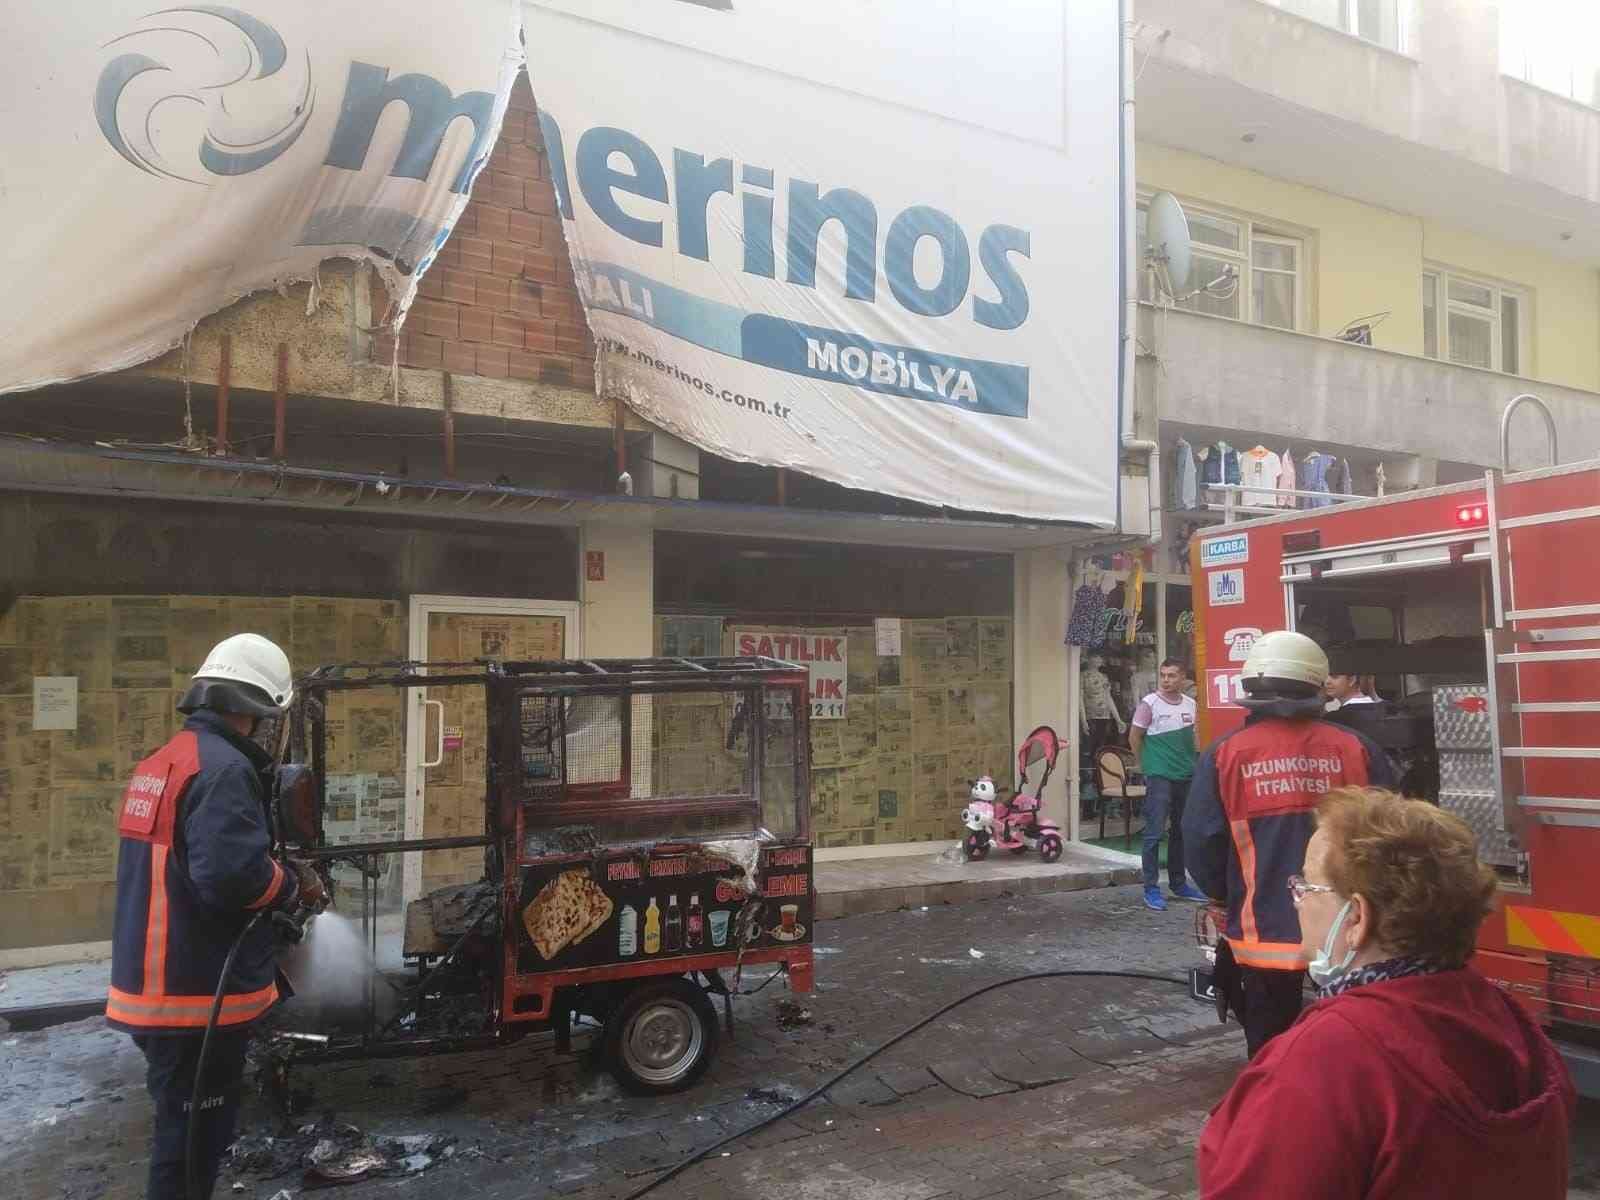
(1229, 375)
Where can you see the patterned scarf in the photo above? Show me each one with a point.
(1389, 968)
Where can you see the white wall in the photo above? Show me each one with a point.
(1041, 672)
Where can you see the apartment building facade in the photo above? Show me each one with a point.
(1400, 197)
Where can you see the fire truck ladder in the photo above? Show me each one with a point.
(1510, 645)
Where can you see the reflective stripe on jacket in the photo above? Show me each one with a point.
(1250, 815)
(193, 866)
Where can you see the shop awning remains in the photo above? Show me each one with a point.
(32, 465)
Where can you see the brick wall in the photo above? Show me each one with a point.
(499, 300)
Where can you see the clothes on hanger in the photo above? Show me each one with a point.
(1086, 626)
(1230, 462)
(1286, 479)
(1260, 468)
(1315, 469)
(1381, 480)
(1343, 480)
(1185, 479)
(1220, 464)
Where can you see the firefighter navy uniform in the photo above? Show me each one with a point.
(193, 867)
(1250, 814)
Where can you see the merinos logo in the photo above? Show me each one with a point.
(1000, 301)
(258, 101)
(201, 62)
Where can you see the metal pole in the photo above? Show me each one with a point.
(449, 428)
(224, 371)
(619, 442)
(279, 399)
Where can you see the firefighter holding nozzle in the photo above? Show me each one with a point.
(195, 866)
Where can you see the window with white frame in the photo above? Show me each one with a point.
(1554, 45)
(1380, 22)
(1474, 322)
(1267, 264)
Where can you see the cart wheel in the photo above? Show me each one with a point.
(977, 847)
(1049, 847)
(662, 1037)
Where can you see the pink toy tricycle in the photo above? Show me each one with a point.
(1015, 825)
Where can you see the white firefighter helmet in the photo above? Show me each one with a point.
(246, 674)
(1282, 657)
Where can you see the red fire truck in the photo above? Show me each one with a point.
(1476, 608)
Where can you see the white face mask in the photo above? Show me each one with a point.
(1322, 970)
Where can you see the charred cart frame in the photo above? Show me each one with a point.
(530, 805)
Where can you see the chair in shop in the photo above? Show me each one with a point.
(1116, 771)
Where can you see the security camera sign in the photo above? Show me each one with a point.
(824, 653)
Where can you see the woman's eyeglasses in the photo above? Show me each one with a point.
(1300, 889)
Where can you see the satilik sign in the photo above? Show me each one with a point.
(824, 653)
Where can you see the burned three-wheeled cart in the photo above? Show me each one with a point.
(645, 837)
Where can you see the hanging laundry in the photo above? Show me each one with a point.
(1230, 462)
(1343, 480)
(1260, 468)
(1210, 464)
(1380, 479)
(1185, 481)
(1087, 624)
(1314, 472)
(1286, 480)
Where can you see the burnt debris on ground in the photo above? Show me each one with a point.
(792, 1016)
(329, 1152)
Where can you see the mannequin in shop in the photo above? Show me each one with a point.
(1101, 723)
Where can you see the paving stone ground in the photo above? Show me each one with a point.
(1070, 1088)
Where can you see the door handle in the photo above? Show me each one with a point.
(438, 745)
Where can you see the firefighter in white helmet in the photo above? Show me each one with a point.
(194, 865)
(1250, 816)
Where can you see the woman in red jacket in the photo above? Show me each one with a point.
(1411, 1076)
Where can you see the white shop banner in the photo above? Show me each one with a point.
(160, 162)
(878, 243)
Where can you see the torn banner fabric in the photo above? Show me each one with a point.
(162, 162)
(878, 243)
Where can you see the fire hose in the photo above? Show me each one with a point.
(292, 927)
(699, 1155)
(820, 1089)
(190, 1166)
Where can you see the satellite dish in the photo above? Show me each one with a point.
(1167, 231)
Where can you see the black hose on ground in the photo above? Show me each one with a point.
(192, 1179)
(700, 1155)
